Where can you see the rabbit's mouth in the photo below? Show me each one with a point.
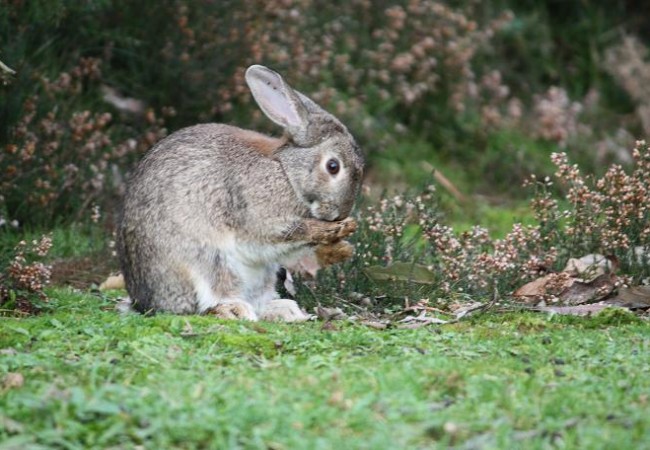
(324, 211)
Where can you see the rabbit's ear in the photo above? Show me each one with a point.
(277, 100)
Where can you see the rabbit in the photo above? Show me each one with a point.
(212, 211)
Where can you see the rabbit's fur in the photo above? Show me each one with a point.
(212, 211)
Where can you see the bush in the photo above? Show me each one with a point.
(22, 284)
(98, 82)
(404, 238)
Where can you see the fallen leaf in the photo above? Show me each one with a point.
(401, 271)
(412, 325)
(113, 282)
(13, 380)
(337, 398)
(533, 289)
(412, 322)
(636, 297)
(330, 313)
(566, 290)
(551, 284)
(580, 292)
(424, 318)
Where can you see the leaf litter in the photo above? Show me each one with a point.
(585, 287)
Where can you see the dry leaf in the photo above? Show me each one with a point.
(596, 290)
(330, 313)
(566, 290)
(416, 325)
(329, 326)
(401, 271)
(324, 255)
(636, 297)
(424, 318)
(113, 282)
(551, 284)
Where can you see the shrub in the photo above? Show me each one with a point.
(451, 74)
(608, 215)
(22, 283)
(60, 159)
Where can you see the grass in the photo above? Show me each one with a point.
(95, 379)
(69, 241)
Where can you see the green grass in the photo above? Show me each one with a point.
(95, 379)
(68, 241)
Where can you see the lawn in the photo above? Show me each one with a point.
(80, 375)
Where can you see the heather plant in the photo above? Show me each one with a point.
(607, 215)
(458, 76)
(65, 150)
(23, 281)
(61, 157)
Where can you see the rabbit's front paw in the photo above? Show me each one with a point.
(322, 232)
(346, 227)
(328, 254)
(233, 309)
(284, 310)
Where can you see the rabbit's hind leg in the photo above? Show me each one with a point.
(218, 293)
(170, 288)
(233, 309)
(284, 310)
(211, 298)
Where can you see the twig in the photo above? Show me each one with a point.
(344, 301)
(7, 69)
(13, 311)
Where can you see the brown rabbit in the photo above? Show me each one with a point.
(212, 211)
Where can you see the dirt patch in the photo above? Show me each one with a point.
(83, 272)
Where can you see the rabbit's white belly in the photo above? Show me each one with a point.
(256, 266)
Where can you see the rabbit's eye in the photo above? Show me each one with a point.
(333, 166)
